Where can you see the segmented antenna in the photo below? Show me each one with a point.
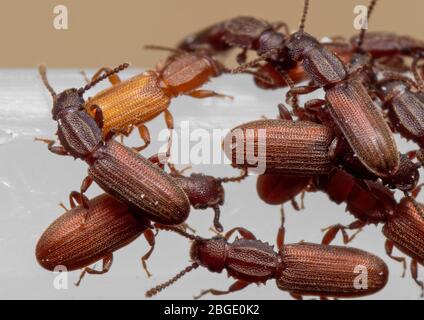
(163, 48)
(371, 7)
(244, 173)
(103, 77)
(43, 74)
(178, 230)
(304, 14)
(154, 291)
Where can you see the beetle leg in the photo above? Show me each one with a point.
(280, 24)
(144, 135)
(281, 230)
(314, 105)
(389, 249)
(296, 296)
(86, 183)
(98, 115)
(294, 204)
(242, 57)
(62, 205)
(217, 214)
(76, 196)
(236, 286)
(332, 231)
(150, 238)
(107, 263)
(302, 200)
(416, 191)
(414, 273)
(185, 226)
(60, 150)
(200, 94)
(283, 112)
(113, 79)
(84, 75)
(169, 120)
(246, 234)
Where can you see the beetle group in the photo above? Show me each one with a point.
(342, 145)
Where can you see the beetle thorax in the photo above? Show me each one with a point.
(210, 253)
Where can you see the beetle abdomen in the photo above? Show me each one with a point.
(364, 127)
(130, 102)
(406, 229)
(131, 178)
(333, 271)
(71, 243)
(186, 72)
(286, 147)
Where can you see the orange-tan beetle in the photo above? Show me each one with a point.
(133, 102)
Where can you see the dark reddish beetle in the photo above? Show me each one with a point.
(118, 170)
(110, 226)
(405, 104)
(203, 191)
(300, 269)
(123, 173)
(371, 202)
(282, 146)
(350, 105)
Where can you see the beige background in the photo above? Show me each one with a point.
(110, 32)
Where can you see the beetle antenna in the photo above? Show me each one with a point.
(371, 7)
(154, 291)
(103, 77)
(178, 230)
(43, 74)
(162, 48)
(243, 174)
(304, 14)
(254, 62)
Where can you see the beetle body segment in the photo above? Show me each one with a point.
(331, 271)
(72, 242)
(321, 65)
(130, 102)
(185, 72)
(203, 191)
(364, 127)
(406, 229)
(278, 189)
(292, 148)
(367, 201)
(249, 260)
(129, 177)
(406, 110)
(382, 44)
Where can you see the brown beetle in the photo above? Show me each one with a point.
(133, 102)
(110, 226)
(405, 104)
(119, 170)
(372, 203)
(405, 231)
(362, 124)
(300, 269)
(295, 148)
